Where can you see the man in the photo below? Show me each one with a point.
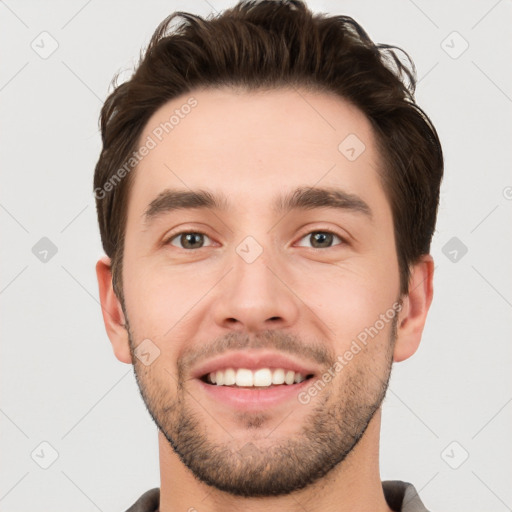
(267, 193)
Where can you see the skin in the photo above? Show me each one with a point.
(252, 146)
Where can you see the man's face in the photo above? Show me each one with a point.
(259, 283)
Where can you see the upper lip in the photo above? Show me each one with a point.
(253, 361)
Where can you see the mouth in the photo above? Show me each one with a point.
(254, 380)
(257, 390)
(262, 378)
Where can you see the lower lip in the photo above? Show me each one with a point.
(254, 398)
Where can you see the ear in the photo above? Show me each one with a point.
(113, 315)
(416, 304)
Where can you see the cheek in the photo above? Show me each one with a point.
(160, 301)
(349, 296)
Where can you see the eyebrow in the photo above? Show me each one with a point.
(302, 198)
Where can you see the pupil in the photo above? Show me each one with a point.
(189, 237)
(322, 237)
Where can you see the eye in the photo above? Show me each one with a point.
(323, 239)
(188, 239)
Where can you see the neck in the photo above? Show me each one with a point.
(352, 485)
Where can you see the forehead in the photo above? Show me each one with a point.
(251, 146)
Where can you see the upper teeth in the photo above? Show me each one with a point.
(261, 377)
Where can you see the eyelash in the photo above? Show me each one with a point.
(175, 235)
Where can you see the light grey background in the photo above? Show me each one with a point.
(60, 381)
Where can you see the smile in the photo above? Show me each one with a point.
(261, 377)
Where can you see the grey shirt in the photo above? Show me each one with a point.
(401, 497)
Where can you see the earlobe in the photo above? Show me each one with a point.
(113, 316)
(416, 304)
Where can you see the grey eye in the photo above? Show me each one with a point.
(321, 239)
(189, 240)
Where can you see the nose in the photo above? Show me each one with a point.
(255, 297)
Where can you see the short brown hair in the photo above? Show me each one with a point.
(271, 44)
